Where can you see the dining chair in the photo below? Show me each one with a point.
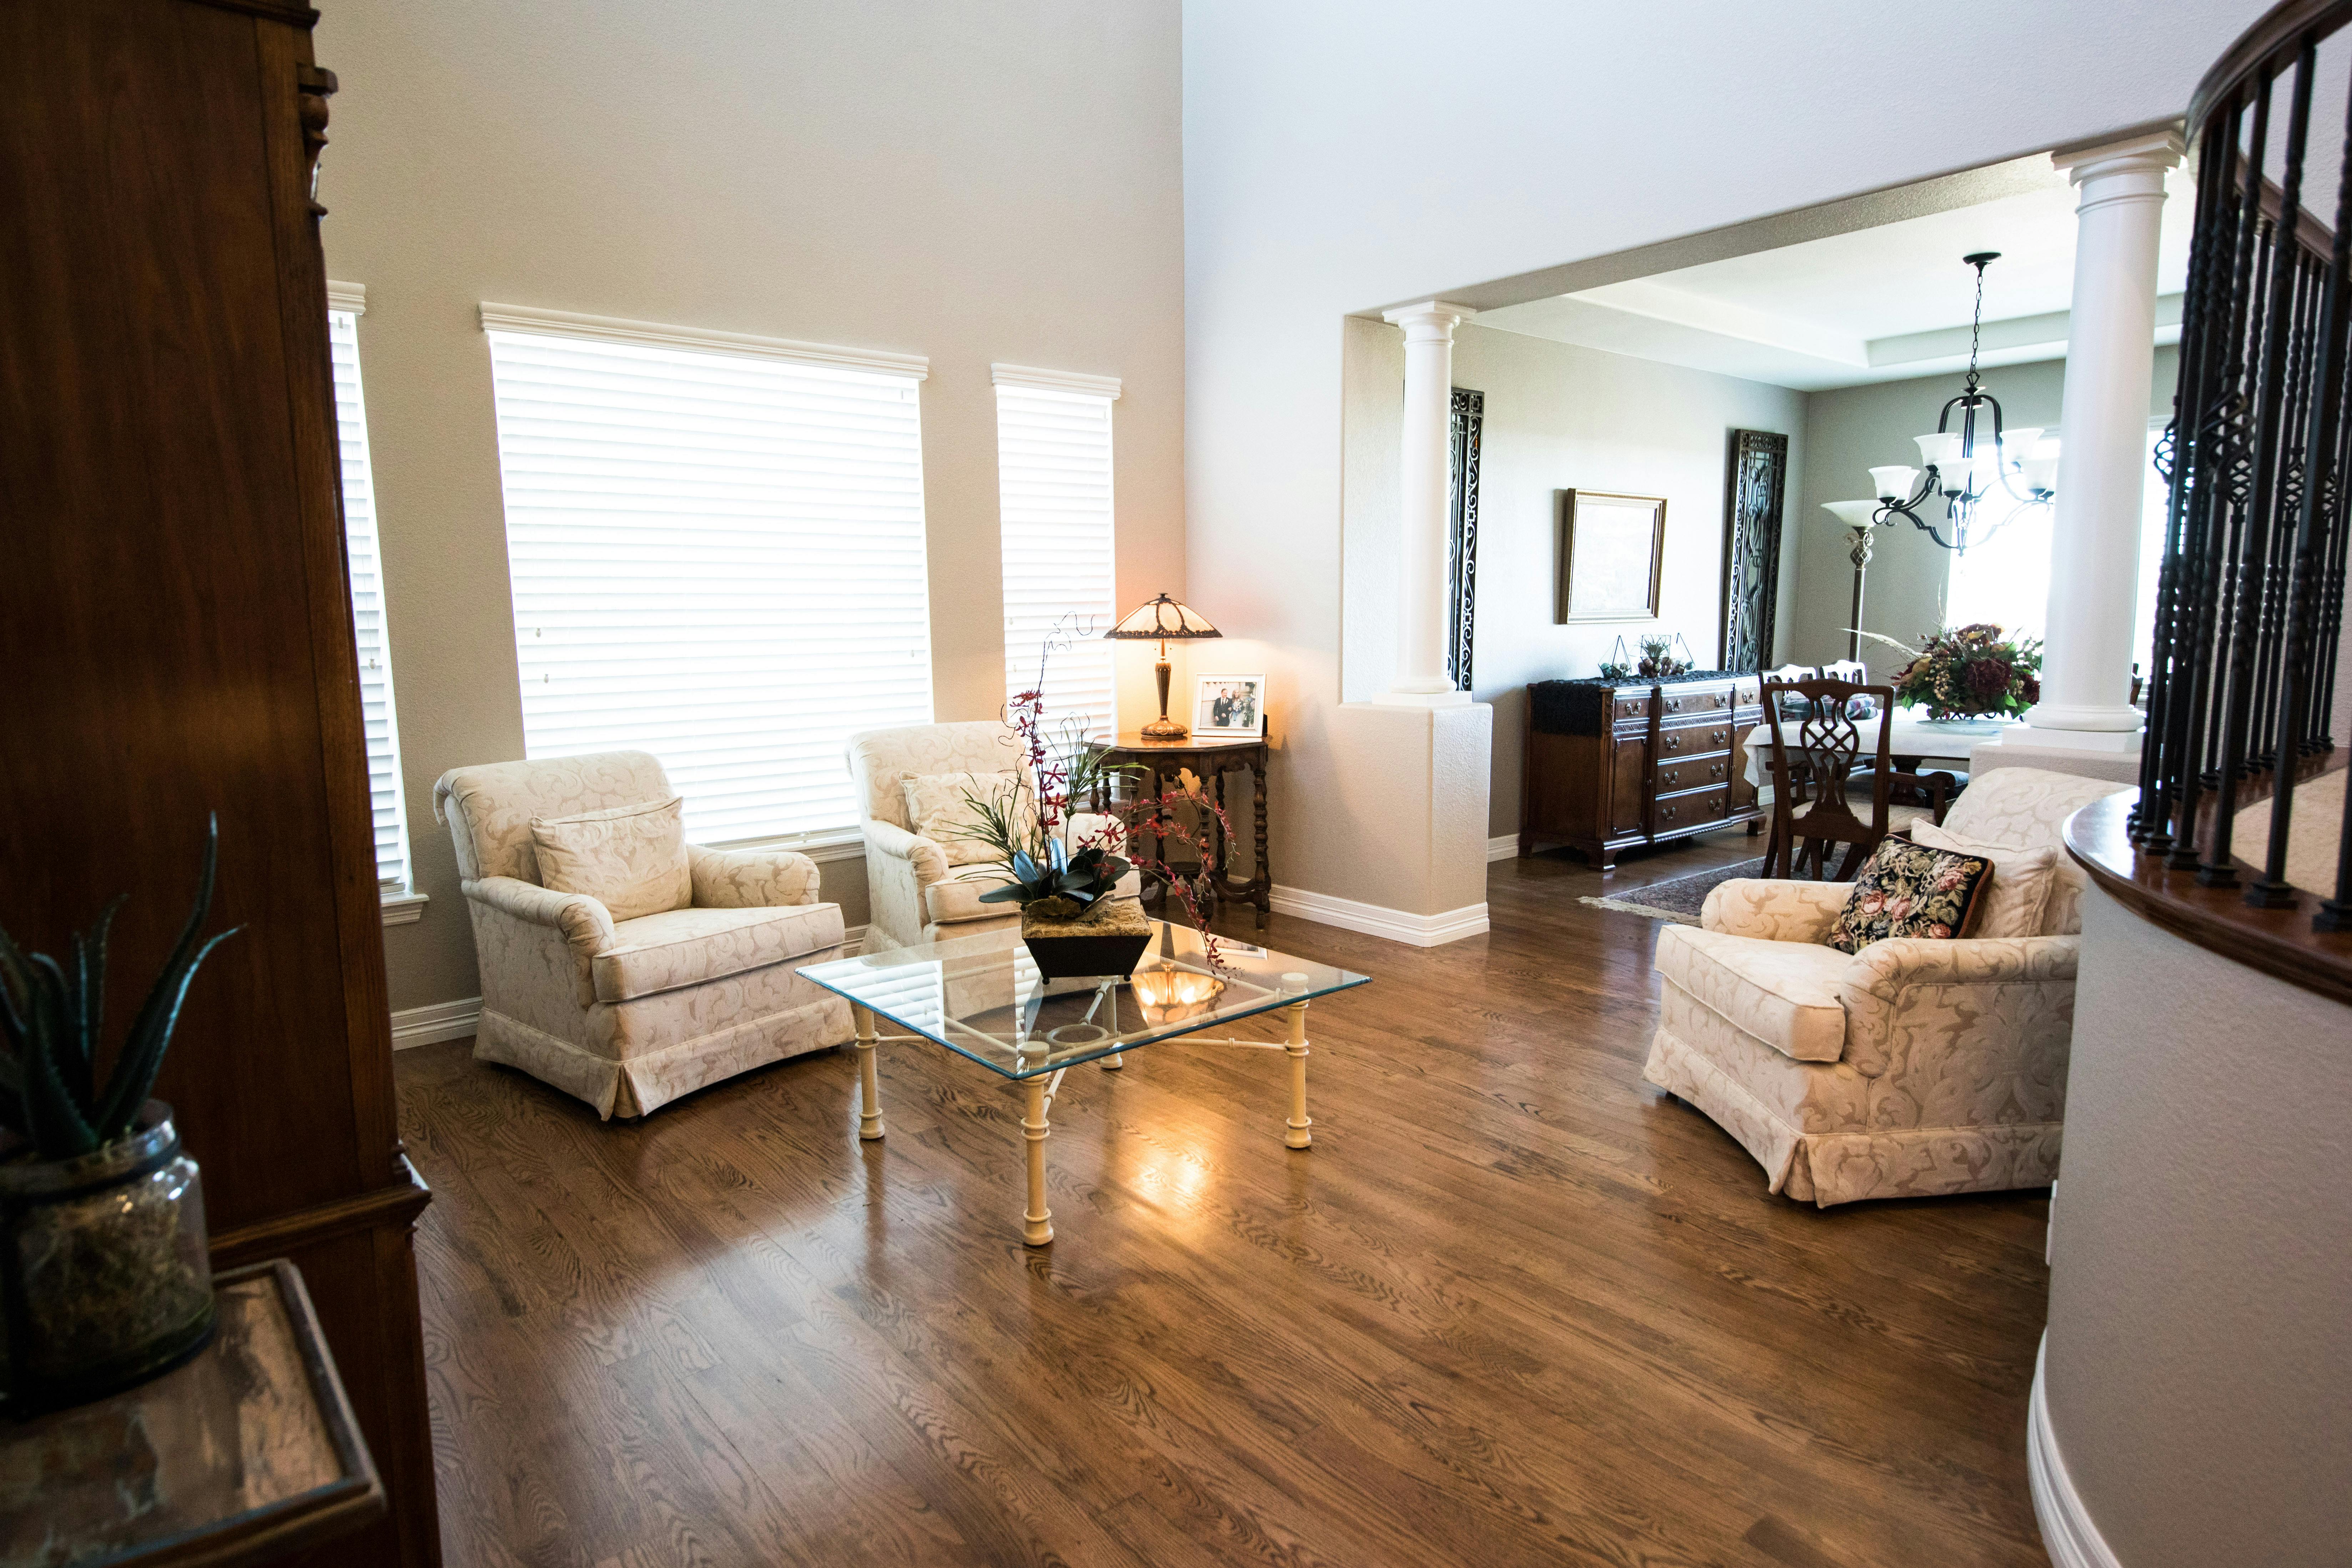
(1818, 747)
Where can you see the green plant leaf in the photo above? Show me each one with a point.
(142, 1055)
(142, 1027)
(58, 1127)
(1003, 895)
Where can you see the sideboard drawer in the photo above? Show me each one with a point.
(1631, 706)
(1672, 704)
(1696, 773)
(1693, 807)
(1694, 740)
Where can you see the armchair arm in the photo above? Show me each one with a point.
(1774, 909)
(925, 855)
(751, 878)
(584, 922)
(2008, 997)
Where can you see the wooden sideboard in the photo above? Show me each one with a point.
(1613, 763)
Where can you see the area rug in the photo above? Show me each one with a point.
(1679, 899)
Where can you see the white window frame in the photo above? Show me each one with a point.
(1019, 538)
(401, 903)
(832, 842)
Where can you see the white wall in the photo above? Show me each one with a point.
(1556, 417)
(1338, 160)
(972, 183)
(2198, 1363)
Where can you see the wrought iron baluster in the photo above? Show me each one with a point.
(2217, 870)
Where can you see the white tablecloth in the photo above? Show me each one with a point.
(1945, 740)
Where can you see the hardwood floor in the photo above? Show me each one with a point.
(1515, 1306)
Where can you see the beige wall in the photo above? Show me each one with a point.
(1556, 417)
(2199, 1362)
(972, 183)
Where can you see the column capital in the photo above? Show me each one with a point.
(2144, 152)
(1430, 318)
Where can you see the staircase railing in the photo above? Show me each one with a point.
(2250, 601)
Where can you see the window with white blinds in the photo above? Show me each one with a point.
(367, 599)
(717, 557)
(1054, 485)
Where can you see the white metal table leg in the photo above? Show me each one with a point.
(1037, 1224)
(869, 1092)
(1300, 1133)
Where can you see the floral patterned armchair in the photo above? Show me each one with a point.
(913, 892)
(629, 1015)
(1911, 1067)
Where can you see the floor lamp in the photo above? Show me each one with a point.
(1856, 516)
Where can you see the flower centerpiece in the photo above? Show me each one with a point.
(1061, 867)
(104, 1277)
(1970, 672)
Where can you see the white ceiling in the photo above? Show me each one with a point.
(1876, 304)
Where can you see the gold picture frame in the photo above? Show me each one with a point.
(1612, 556)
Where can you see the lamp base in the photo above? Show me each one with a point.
(1165, 728)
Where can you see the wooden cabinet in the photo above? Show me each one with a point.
(1612, 764)
(175, 622)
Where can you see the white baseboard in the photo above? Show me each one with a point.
(1372, 920)
(1504, 847)
(438, 1021)
(2067, 1533)
(435, 1022)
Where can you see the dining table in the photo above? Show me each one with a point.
(1912, 739)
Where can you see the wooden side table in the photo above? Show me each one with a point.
(244, 1454)
(1210, 758)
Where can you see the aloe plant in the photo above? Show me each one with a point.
(51, 1012)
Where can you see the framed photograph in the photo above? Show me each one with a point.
(1229, 705)
(1612, 553)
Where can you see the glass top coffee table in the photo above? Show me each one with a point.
(984, 998)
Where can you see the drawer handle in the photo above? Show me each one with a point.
(1715, 772)
(1667, 776)
(1673, 743)
(1674, 704)
(1669, 812)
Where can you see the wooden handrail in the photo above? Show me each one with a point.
(2265, 45)
(2278, 942)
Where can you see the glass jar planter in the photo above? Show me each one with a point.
(105, 1279)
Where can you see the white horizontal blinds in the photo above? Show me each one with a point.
(367, 604)
(718, 558)
(1054, 482)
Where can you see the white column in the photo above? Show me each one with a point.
(1428, 448)
(2103, 460)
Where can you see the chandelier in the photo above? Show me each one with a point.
(1962, 466)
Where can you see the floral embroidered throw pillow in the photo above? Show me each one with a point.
(1907, 889)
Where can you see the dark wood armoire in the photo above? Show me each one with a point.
(175, 639)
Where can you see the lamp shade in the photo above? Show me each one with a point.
(1164, 617)
(1852, 513)
(1893, 480)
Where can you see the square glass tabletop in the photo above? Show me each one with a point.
(982, 997)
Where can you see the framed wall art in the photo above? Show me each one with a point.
(1612, 553)
(1229, 705)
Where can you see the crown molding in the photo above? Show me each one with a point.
(1054, 380)
(613, 329)
(352, 297)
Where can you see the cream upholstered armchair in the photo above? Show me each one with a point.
(916, 895)
(630, 1014)
(1911, 1067)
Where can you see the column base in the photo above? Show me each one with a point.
(2079, 717)
(2114, 743)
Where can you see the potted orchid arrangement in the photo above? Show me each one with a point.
(1062, 866)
